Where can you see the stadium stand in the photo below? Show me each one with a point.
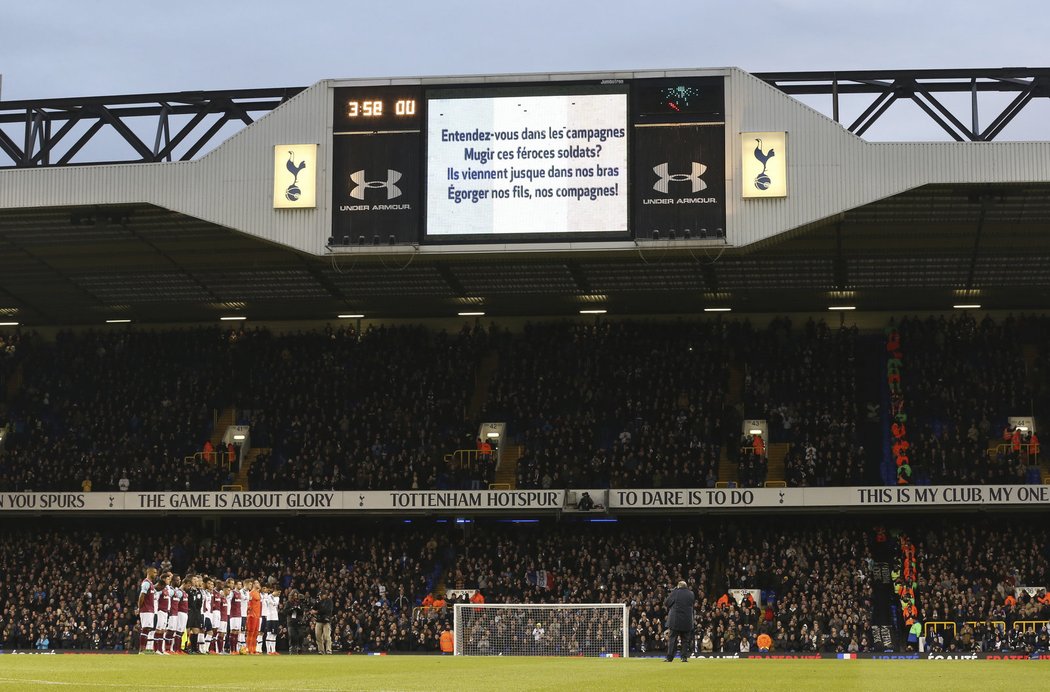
(95, 408)
(602, 404)
(622, 404)
(377, 410)
(135, 406)
(964, 378)
(74, 585)
(804, 382)
(12, 351)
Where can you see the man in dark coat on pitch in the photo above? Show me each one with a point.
(680, 620)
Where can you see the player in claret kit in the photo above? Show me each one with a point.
(223, 625)
(173, 617)
(160, 628)
(147, 607)
(217, 598)
(182, 602)
(236, 618)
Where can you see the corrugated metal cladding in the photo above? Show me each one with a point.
(230, 186)
(829, 169)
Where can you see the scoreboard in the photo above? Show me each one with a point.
(525, 162)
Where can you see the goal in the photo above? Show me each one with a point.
(548, 629)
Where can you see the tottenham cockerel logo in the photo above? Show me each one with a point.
(762, 180)
(360, 184)
(664, 179)
(293, 191)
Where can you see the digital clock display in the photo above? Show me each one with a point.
(377, 109)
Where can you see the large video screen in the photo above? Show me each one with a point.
(527, 165)
(588, 161)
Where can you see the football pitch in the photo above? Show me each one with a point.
(379, 673)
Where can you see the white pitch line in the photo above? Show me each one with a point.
(82, 683)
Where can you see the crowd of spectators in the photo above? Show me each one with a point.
(128, 410)
(622, 404)
(375, 410)
(114, 410)
(815, 580)
(592, 404)
(65, 590)
(952, 456)
(75, 585)
(815, 587)
(961, 380)
(830, 459)
(12, 350)
(804, 383)
(968, 575)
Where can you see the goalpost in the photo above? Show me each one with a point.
(541, 629)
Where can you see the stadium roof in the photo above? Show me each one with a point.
(185, 239)
(922, 250)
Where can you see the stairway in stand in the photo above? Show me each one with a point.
(775, 453)
(482, 377)
(727, 469)
(735, 386)
(1030, 353)
(227, 418)
(249, 459)
(14, 383)
(507, 473)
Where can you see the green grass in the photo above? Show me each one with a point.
(317, 673)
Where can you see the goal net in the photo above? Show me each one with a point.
(559, 629)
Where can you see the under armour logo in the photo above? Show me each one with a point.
(358, 179)
(665, 178)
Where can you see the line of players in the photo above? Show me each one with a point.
(216, 617)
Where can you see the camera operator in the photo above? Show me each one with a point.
(586, 503)
(322, 611)
(295, 618)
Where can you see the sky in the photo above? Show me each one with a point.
(68, 48)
